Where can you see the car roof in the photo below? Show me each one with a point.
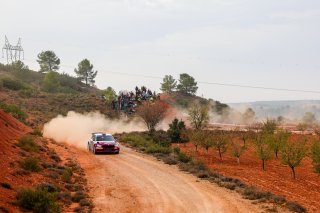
(100, 133)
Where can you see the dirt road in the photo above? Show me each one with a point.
(134, 182)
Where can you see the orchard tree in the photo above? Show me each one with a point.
(152, 113)
(262, 147)
(315, 155)
(269, 126)
(51, 82)
(187, 84)
(237, 150)
(198, 115)
(175, 130)
(221, 143)
(208, 141)
(197, 137)
(109, 95)
(85, 72)
(48, 61)
(278, 141)
(169, 84)
(292, 154)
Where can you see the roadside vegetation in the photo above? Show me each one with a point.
(161, 147)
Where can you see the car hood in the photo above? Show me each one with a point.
(106, 142)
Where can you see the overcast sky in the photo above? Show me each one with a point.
(266, 43)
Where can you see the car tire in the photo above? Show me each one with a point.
(117, 153)
(94, 150)
(88, 147)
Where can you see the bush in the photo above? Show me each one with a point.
(183, 157)
(31, 164)
(67, 175)
(175, 130)
(252, 193)
(84, 202)
(158, 149)
(27, 143)
(6, 185)
(15, 111)
(79, 195)
(13, 84)
(47, 187)
(37, 132)
(296, 207)
(37, 200)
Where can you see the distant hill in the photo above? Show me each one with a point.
(289, 109)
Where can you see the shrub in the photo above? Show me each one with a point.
(84, 202)
(13, 84)
(295, 207)
(169, 160)
(27, 143)
(31, 164)
(15, 111)
(183, 157)
(252, 193)
(6, 185)
(27, 93)
(47, 187)
(37, 132)
(79, 195)
(67, 175)
(37, 200)
(175, 129)
(158, 149)
(51, 82)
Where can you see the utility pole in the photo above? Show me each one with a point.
(13, 53)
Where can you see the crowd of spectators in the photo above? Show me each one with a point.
(128, 101)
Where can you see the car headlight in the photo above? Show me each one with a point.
(98, 145)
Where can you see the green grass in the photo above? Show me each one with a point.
(37, 200)
(15, 111)
(30, 164)
(28, 144)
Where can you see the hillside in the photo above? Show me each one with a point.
(25, 89)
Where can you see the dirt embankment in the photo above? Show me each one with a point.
(10, 131)
(134, 182)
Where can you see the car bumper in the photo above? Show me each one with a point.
(105, 150)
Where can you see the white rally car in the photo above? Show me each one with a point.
(103, 143)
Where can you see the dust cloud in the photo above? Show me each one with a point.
(75, 128)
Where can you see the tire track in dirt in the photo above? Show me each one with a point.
(134, 182)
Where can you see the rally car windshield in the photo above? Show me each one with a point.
(104, 138)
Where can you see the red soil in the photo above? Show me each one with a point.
(277, 178)
(10, 130)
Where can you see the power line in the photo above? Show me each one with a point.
(205, 82)
(224, 84)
